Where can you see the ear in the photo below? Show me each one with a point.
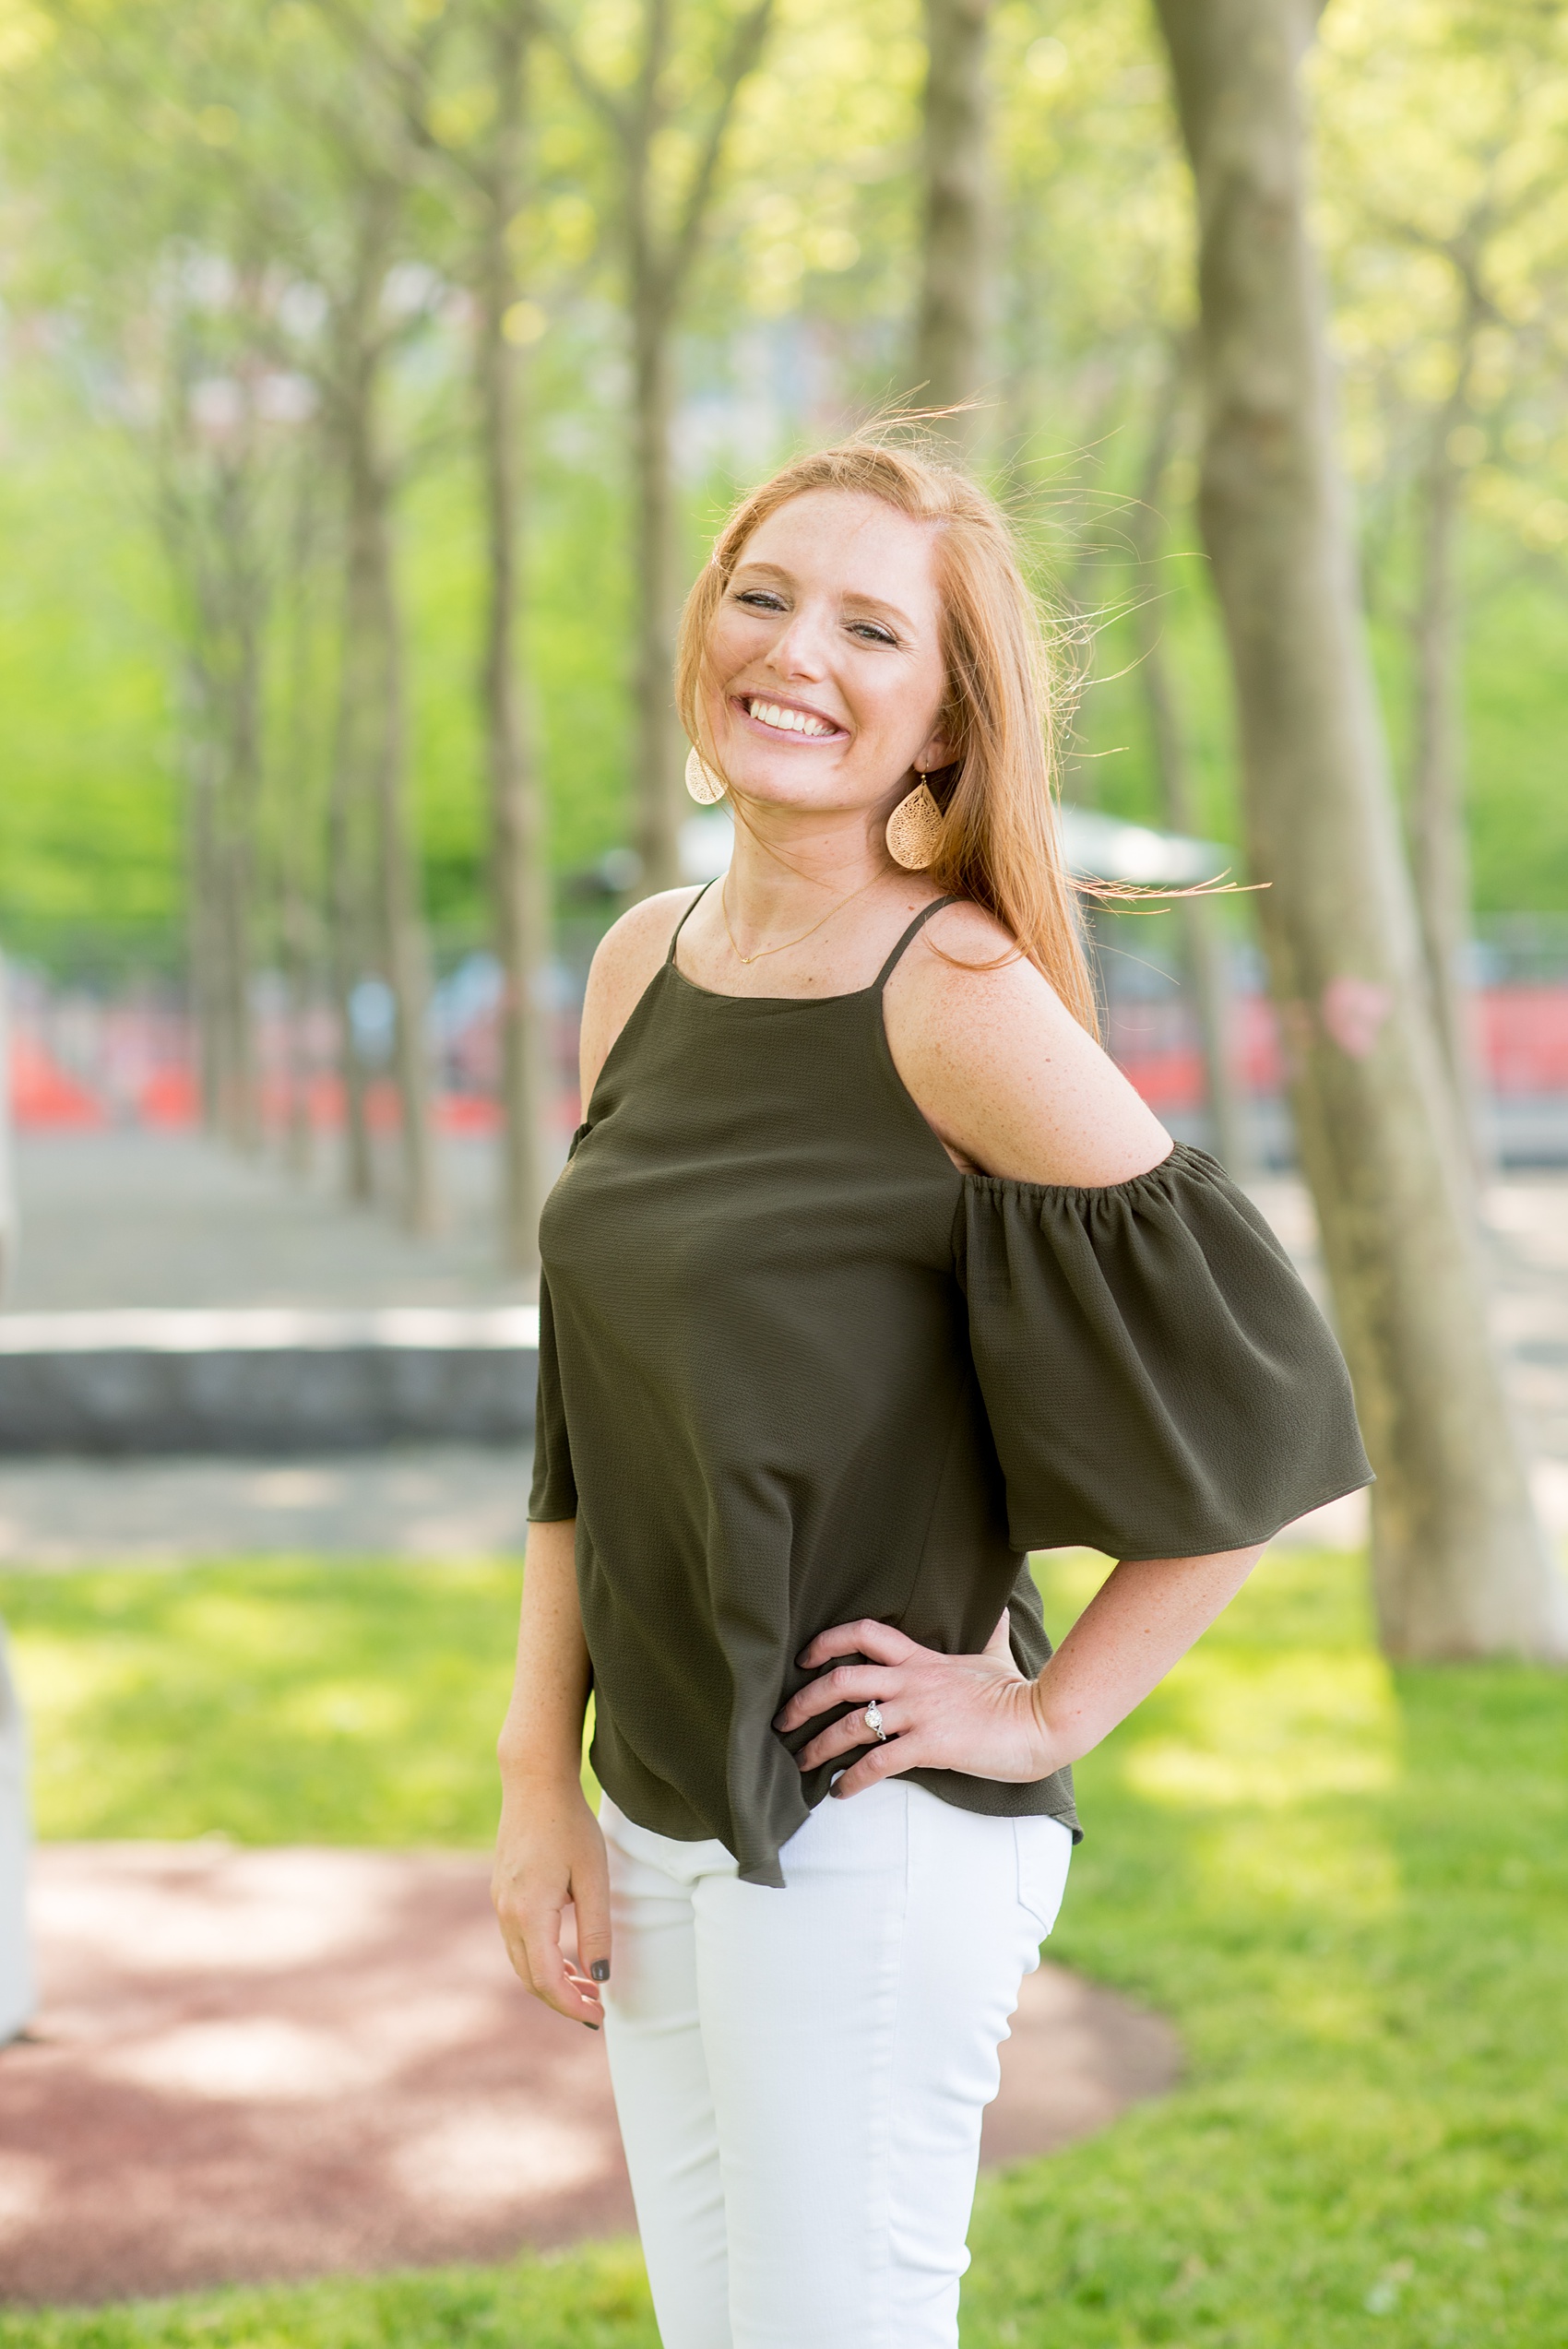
(935, 752)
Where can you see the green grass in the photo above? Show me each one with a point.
(1347, 1886)
(593, 2299)
(285, 1702)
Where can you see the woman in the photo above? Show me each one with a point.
(868, 1273)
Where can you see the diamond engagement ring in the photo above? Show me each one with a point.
(872, 1716)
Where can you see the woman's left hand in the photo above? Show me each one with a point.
(976, 1713)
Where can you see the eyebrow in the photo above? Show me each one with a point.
(862, 602)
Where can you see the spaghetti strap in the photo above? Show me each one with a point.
(686, 917)
(919, 924)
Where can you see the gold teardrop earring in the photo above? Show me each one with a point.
(914, 828)
(705, 786)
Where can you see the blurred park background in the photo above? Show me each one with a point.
(373, 374)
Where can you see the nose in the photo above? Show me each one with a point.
(801, 649)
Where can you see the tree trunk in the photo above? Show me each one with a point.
(518, 889)
(402, 919)
(371, 750)
(207, 948)
(950, 351)
(293, 925)
(352, 815)
(296, 859)
(10, 1218)
(241, 819)
(1460, 1565)
(346, 869)
(225, 743)
(1203, 936)
(202, 893)
(1438, 843)
(659, 764)
(1203, 939)
(229, 961)
(659, 261)
(209, 744)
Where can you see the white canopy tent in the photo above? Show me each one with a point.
(1099, 847)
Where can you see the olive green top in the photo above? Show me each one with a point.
(796, 1368)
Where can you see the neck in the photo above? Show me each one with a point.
(789, 864)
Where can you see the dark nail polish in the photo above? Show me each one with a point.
(590, 2026)
(600, 1969)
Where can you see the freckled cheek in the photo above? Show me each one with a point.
(880, 724)
(731, 644)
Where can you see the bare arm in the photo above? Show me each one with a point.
(549, 1852)
(979, 1713)
(1143, 1619)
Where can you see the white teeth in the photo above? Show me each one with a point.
(788, 721)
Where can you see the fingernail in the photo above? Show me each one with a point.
(590, 2026)
(600, 1969)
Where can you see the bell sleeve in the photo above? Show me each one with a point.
(555, 1493)
(1159, 1382)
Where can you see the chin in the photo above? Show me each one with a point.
(771, 789)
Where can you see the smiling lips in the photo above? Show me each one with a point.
(786, 720)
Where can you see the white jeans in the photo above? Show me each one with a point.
(800, 2075)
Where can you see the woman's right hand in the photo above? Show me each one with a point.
(549, 1859)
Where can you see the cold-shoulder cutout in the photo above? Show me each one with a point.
(1003, 1073)
(1157, 1381)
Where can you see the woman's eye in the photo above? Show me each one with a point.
(872, 634)
(760, 600)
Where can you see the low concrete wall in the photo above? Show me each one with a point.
(264, 1380)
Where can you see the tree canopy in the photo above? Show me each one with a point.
(180, 191)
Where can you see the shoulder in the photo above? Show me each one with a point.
(1000, 1067)
(625, 959)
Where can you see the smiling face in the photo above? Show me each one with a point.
(825, 657)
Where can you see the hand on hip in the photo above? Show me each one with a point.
(976, 1713)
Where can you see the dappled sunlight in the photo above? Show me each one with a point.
(347, 1709)
(1334, 1863)
(1283, 1748)
(243, 1626)
(1255, 1719)
(62, 1680)
(272, 1702)
(1343, 1887)
(1269, 1735)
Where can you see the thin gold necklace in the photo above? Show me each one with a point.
(763, 952)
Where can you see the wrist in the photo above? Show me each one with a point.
(525, 1770)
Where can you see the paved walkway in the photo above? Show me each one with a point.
(440, 1501)
(111, 1220)
(147, 1220)
(257, 2064)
